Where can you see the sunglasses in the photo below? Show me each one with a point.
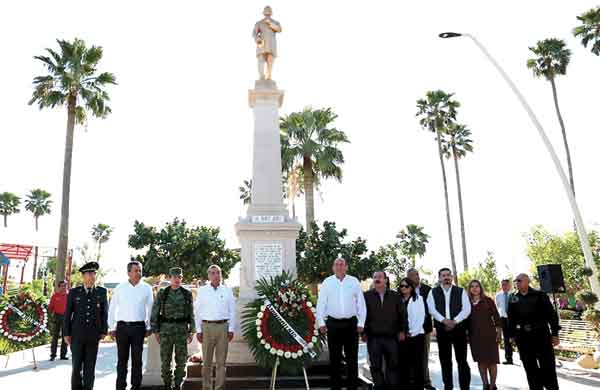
(518, 280)
(404, 286)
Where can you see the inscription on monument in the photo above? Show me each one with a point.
(268, 259)
(267, 219)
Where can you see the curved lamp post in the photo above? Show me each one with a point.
(585, 244)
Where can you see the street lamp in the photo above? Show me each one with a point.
(583, 238)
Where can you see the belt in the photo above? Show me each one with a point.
(341, 319)
(215, 321)
(128, 323)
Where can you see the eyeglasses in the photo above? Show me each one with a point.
(518, 280)
(404, 286)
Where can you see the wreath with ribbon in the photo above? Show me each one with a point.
(23, 318)
(281, 324)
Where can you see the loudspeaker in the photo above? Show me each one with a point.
(551, 278)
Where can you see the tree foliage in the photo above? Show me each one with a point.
(9, 204)
(544, 247)
(412, 242)
(589, 29)
(551, 58)
(485, 272)
(192, 248)
(315, 253)
(38, 203)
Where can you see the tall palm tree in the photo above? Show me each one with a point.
(308, 140)
(552, 59)
(9, 204)
(436, 112)
(73, 81)
(413, 241)
(101, 233)
(589, 30)
(456, 143)
(246, 192)
(38, 203)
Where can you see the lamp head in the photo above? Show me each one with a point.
(450, 35)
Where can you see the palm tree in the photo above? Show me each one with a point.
(456, 143)
(246, 192)
(38, 203)
(309, 141)
(101, 233)
(293, 188)
(9, 204)
(436, 112)
(413, 242)
(589, 30)
(73, 81)
(552, 59)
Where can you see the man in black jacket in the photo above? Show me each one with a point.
(385, 325)
(86, 323)
(533, 324)
(449, 306)
(423, 290)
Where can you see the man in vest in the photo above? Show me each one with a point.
(450, 306)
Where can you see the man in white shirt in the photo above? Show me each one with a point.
(502, 299)
(129, 322)
(341, 314)
(450, 306)
(215, 314)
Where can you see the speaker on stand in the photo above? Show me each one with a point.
(551, 280)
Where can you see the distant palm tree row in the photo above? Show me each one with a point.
(38, 203)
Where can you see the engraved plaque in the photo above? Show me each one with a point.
(268, 259)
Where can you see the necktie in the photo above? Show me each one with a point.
(505, 303)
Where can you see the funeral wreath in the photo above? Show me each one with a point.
(22, 318)
(281, 323)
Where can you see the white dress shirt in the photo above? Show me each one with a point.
(464, 313)
(416, 316)
(341, 299)
(214, 304)
(131, 304)
(502, 303)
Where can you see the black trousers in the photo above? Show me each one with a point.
(537, 355)
(508, 348)
(130, 337)
(83, 355)
(56, 335)
(457, 339)
(383, 348)
(413, 350)
(342, 335)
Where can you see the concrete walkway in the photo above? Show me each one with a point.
(56, 375)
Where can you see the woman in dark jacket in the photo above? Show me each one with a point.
(412, 343)
(485, 330)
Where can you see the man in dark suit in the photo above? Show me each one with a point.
(386, 323)
(86, 323)
(423, 290)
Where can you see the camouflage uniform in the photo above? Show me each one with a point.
(173, 319)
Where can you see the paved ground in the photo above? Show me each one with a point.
(56, 375)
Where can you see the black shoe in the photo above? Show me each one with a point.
(52, 358)
(508, 363)
(64, 358)
(429, 387)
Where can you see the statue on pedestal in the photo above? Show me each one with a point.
(266, 43)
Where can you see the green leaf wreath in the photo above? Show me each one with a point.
(266, 337)
(23, 320)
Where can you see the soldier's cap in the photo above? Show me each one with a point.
(92, 266)
(176, 271)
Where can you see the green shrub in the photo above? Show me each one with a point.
(587, 297)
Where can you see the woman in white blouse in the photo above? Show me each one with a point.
(413, 345)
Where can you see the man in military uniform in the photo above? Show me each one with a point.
(173, 324)
(86, 323)
(533, 325)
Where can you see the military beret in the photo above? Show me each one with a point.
(176, 271)
(92, 266)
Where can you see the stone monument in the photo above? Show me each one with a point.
(267, 234)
